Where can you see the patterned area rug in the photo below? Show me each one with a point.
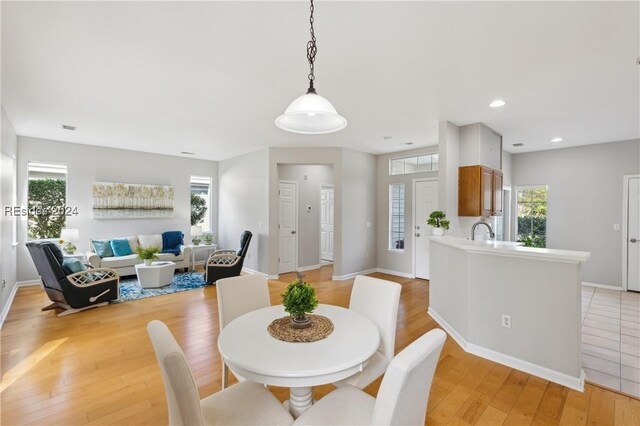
(130, 287)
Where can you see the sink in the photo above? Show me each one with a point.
(496, 243)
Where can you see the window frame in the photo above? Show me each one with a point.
(44, 164)
(415, 157)
(390, 243)
(516, 203)
(209, 199)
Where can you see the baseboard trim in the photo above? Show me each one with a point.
(576, 383)
(352, 275)
(28, 283)
(309, 268)
(273, 277)
(396, 273)
(609, 287)
(7, 307)
(254, 272)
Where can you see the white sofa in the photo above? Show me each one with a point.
(125, 265)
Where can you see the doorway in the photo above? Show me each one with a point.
(631, 233)
(287, 226)
(327, 196)
(425, 200)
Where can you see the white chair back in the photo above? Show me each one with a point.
(404, 392)
(240, 295)
(183, 399)
(378, 300)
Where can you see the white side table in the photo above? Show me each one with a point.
(158, 274)
(194, 248)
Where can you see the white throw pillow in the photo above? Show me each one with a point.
(147, 241)
(133, 243)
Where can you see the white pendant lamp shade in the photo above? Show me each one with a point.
(311, 114)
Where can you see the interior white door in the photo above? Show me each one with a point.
(425, 202)
(633, 235)
(287, 227)
(326, 223)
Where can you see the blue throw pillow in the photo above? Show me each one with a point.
(121, 247)
(72, 265)
(102, 248)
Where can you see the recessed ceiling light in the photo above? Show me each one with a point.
(517, 144)
(555, 140)
(497, 103)
(68, 127)
(187, 153)
(386, 138)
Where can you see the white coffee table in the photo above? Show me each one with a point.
(158, 274)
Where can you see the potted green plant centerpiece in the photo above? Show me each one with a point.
(148, 254)
(438, 220)
(299, 299)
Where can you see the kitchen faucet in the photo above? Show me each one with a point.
(475, 225)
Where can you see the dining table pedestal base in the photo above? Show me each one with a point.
(300, 400)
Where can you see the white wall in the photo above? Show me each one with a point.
(358, 209)
(244, 205)
(584, 200)
(8, 258)
(87, 164)
(395, 260)
(308, 195)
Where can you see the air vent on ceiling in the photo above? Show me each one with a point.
(517, 144)
(408, 143)
(68, 127)
(187, 153)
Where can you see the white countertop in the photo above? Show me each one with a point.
(508, 248)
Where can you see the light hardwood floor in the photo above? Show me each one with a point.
(98, 367)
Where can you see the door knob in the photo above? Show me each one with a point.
(633, 240)
(293, 232)
(417, 234)
(417, 226)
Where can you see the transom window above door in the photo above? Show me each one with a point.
(413, 164)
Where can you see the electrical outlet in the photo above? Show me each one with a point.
(506, 321)
(4, 283)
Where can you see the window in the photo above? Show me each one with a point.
(396, 216)
(46, 200)
(415, 164)
(532, 216)
(201, 202)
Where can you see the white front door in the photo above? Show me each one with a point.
(425, 202)
(633, 235)
(326, 223)
(287, 227)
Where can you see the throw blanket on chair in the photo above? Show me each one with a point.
(171, 242)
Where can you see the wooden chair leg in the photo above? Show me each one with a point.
(76, 310)
(225, 375)
(55, 305)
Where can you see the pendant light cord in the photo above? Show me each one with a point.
(311, 52)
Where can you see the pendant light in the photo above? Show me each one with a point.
(311, 114)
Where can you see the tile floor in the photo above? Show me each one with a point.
(611, 338)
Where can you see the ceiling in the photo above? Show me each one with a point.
(210, 78)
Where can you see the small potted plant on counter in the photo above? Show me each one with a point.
(148, 254)
(438, 220)
(299, 299)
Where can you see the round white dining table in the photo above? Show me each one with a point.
(249, 350)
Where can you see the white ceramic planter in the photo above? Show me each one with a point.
(438, 231)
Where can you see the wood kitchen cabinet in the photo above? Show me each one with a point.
(479, 191)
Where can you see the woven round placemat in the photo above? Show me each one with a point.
(320, 328)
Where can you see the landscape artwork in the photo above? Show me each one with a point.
(131, 201)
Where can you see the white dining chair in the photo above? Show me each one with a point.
(236, 297)
(402, 398)
(241, 404)
(377, 300)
